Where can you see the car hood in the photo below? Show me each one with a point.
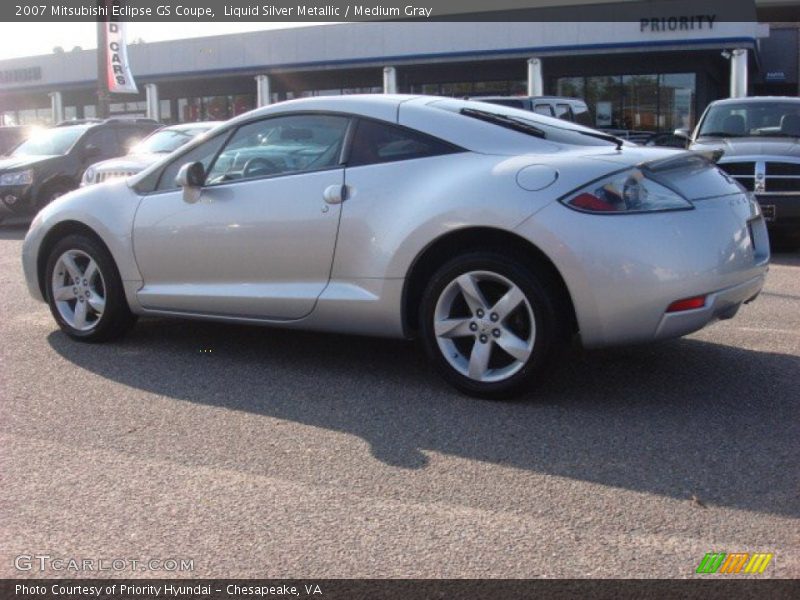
(22, 162)
(129, 163)
(751, 146)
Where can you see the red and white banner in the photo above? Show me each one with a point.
(118, 70)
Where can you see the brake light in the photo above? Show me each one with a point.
(627, 191)
(687, 304)
(591, 203)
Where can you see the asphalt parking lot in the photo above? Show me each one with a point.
(267, 453)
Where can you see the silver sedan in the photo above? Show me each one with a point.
(491, 234)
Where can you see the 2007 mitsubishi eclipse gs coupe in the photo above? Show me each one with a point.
(492, 234)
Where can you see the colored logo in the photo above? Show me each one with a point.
(737, 562)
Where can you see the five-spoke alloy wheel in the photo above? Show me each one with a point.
(78, 290)
(84, 290)
(489, 324)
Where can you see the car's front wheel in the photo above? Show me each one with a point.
(84, 290)
(490, 324)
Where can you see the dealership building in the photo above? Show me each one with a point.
(653, 73)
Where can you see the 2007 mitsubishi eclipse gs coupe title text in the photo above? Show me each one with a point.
(491, 233)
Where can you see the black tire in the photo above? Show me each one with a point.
(50, 192)
(539, 292)
(116, 317)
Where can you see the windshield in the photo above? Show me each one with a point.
(49, 142)
(774, 119)
(167, 140)
(533, 124)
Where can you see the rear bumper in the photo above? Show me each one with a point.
(623, 272)
(723, 304)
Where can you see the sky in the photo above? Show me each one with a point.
(30, 39)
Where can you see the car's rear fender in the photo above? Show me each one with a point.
(622, 271)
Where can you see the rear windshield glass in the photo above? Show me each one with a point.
(549, 128)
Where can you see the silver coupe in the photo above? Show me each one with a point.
(493, 235)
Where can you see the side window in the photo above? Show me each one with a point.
(563, 112)
(203, 153)
(543, 109)
(104, 140)
(280, 145)
(582, 116)
(375, 142)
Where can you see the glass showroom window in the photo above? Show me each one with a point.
(243, 103)
(189, 110)
(605, 95)
(216, 108)
(677, 92)
(35, 116)
(571, 87)
(640, 102)
(165, 111)
(636, 102)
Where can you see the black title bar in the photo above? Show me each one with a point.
(709, 588)
(378, 10)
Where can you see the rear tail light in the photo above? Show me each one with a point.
(629, 191)
(687, 304)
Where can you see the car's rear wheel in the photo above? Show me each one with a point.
(490, 324)
(85, 292)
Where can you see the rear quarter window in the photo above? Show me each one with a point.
(375, 142)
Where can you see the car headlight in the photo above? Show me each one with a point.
(17, 178)
(629, 191)
(88, 176)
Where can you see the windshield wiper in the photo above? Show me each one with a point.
(504, 121)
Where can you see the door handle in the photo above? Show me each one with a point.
(334, 194)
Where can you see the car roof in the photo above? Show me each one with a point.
(757, 99)
(382, 106)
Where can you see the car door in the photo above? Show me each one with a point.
(260, 240)
(97, 145)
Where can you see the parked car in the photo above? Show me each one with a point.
(51, 162)
(491, 233)
(759, 143)
(568, 109)
(11, 137)
(149, 150)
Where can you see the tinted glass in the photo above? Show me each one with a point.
(376, 142)
(50, 142)
(562, 112)
(279, 146)
(556, 130)
(168, 139)
(105, 140)
(543, 109)
(203, 153)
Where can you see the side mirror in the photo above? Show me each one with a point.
(682, 133)
(191, 178)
